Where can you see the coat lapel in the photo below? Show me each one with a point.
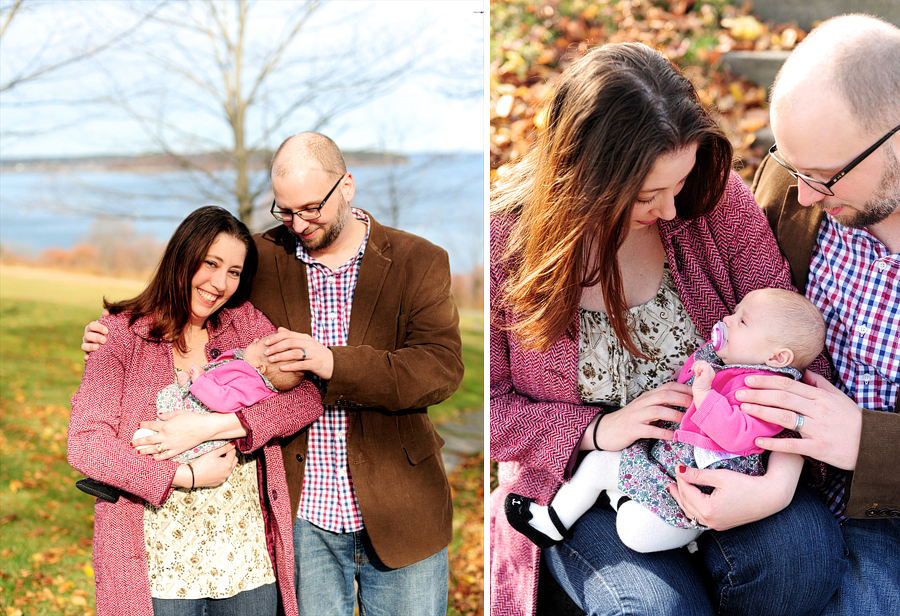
(373, 271)
(294, 290)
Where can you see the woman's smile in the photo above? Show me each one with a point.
(208, 297)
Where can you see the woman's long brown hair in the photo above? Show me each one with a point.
(168, 296)
(612, 114)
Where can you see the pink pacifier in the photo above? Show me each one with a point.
(719, 335)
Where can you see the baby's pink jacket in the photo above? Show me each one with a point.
(720, 424)
(230, 387)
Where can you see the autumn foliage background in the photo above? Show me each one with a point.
(531, 44)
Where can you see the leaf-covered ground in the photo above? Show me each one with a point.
(46, 523)
(467, 549)
(531, 43)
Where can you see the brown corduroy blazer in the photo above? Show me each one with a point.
(873, 489)
(403, 354)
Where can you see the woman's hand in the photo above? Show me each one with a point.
(737, 498)
(210, 470)
(179, 431)
(634, 421)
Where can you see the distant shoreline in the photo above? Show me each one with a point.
(155, 163)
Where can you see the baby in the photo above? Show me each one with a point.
(234, 380)
(771, 331)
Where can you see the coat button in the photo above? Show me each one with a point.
(299, 457)
(274, 495)
(215, 353)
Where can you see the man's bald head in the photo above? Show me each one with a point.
(855, 58)
(303, 148)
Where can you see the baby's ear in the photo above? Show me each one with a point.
(261, 368)
(780, 358)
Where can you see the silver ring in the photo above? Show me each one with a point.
(159, 448)
(799, 423)
(304, 355)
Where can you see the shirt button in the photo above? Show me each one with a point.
(866, 378)
(332, 315)
(881, 265)
(863, 329)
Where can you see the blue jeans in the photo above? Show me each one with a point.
(787, 564)
(258, 601)
(327, 564)
(872, 585)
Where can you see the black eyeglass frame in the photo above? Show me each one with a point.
(287, 216)
(819, 186)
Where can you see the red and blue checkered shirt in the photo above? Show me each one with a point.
(855, 281)
(328, 499)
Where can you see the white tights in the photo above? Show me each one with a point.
(639, 528)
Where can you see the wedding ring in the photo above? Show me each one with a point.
(304, 355)
(799, 423)
(159, 448)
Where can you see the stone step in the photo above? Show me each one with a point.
(462, 437)
(807, 12)
(761, 67)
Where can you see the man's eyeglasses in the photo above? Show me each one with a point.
(310, 213)
(825, 187)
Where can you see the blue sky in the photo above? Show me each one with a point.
(423, 111)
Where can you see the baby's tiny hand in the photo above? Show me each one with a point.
(184, 378)
(703, 376)
(196, 372)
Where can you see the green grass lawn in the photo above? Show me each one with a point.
(45, 522)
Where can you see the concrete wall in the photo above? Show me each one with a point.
(806, 12)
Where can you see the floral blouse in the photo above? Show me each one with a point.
(609, 374)
(209, 542)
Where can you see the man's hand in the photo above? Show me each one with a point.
(832, 422)
(95, 334)
(302, 351)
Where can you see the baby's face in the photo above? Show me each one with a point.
(748, 332)
(254, 354)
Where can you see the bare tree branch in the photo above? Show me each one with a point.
(27, 75)
(210, 68)
(12, 12)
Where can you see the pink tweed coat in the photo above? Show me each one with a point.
(118, 390)
(536, 415)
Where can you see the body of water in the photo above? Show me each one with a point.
(440, 197)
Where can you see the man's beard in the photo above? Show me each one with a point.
(884, 202)
(331, 232)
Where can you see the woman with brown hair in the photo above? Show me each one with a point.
(213, 536)
(616, 245)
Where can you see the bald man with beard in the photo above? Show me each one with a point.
(830, 188)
